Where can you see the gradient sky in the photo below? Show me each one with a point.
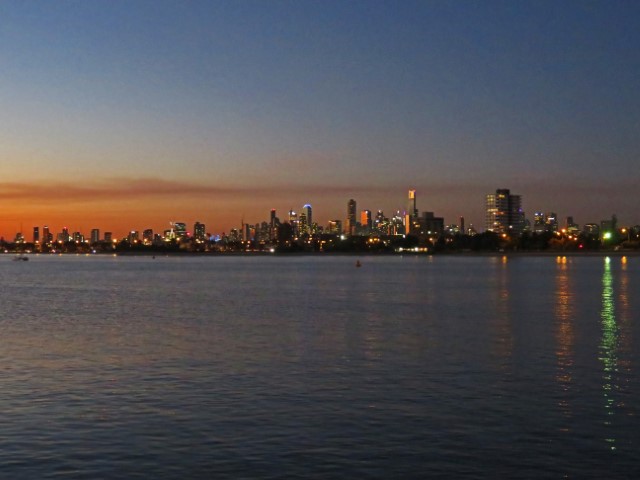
(125, 115)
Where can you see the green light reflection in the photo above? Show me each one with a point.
(609, 344)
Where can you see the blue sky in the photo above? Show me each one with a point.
(246, 106)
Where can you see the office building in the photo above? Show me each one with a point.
(412, 209)
(199, 231)
(351, 217)
(335, 227)
(179, 230)
(504, 214)
(365, 221)
(47, 236)
(308, 214)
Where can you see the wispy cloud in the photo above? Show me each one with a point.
(122, 189)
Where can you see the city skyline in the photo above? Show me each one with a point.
(120, 116)
(502, 209)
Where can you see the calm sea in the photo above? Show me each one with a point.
(307, 367)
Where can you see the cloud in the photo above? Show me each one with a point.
(127, 189)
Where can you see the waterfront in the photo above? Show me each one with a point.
(280, 367)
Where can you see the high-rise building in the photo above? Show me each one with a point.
(199, 231)
(380, 224)
(411, 214)
(95, 235)
(249, 233)
(108, 237)
(366, 221)
(351, 217)
(430, 224)
(36, 234)
(335, 227)
(552, 222)
(293, 221)
(303, 225)
(397, 224)
(47, 237)
(504, 213)
(147, 236)
(273, 225)
(539, 222)
(412, 209)
(309, 215)
(179, 230)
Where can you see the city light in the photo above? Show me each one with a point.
(407, 230)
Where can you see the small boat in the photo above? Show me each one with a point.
(20, 258)
(358, 264)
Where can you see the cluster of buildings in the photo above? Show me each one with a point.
(504, 217)
(362, 223)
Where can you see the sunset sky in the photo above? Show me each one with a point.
(125, 115)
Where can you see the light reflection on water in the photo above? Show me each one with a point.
(565, 337)
(609, 346)
(462, 367)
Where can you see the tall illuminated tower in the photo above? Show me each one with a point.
(307, 211)
(365, 220)
(412, 209)
(411, 215)
(351, 217)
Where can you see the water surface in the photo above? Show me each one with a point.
(284, 367)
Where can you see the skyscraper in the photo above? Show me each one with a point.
(351, 217)
(307, 212)
(273, 225)
(293, 221)
(199, 231)
(504, 213)
(411, 214)
(303, 225)
(365, 220)
(47, 238)
(412, 209)
(36, 234)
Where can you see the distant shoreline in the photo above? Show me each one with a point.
(598, 253)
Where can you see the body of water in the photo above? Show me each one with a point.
(307, 367)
